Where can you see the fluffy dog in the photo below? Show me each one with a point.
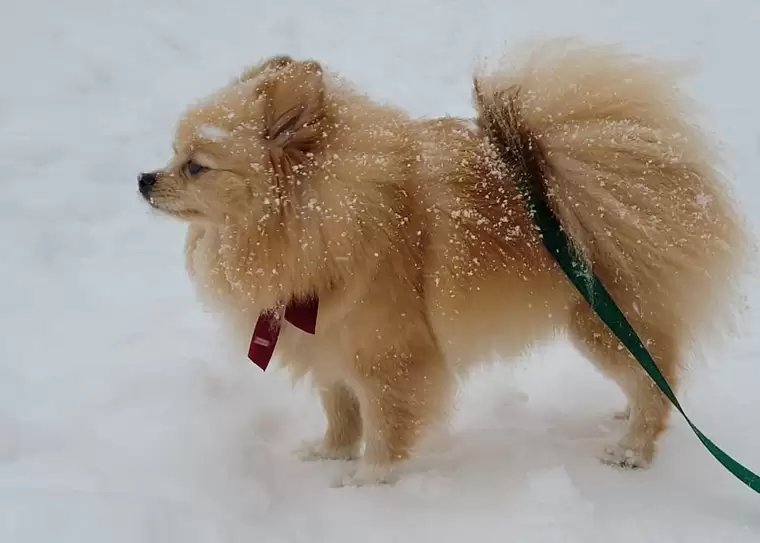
(415, 238)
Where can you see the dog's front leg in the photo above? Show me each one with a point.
(400, 396)
(343, 436)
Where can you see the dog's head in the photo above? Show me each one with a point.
(238, 152)
(303, 176)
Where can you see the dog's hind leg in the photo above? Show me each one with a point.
(648, 407)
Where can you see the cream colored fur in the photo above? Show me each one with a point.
(415, 237)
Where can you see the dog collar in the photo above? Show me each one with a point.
(300, 313)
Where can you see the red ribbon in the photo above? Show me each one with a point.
(300, 313)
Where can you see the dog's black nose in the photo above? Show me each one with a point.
(145, 182)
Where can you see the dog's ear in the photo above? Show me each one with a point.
(273, 63)
(294, 99)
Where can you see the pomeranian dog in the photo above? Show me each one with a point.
(414, 236)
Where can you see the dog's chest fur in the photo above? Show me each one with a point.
(217, 284)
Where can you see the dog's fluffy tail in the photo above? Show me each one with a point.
(608, 140)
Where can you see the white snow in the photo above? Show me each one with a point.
(213, 133)
(124, 417)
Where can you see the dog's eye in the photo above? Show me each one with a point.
(193, 168)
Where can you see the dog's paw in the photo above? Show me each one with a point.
(367, 475)
(624, 457)
(316, 450)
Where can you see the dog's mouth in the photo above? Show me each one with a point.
(170, 208)
(185, 215)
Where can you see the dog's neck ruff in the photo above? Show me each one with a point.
(300, 313)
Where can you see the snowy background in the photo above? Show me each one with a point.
(123, 417)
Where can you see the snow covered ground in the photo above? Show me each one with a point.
(123, 417)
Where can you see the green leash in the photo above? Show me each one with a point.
(589, 285)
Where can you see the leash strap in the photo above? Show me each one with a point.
(589, 285)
